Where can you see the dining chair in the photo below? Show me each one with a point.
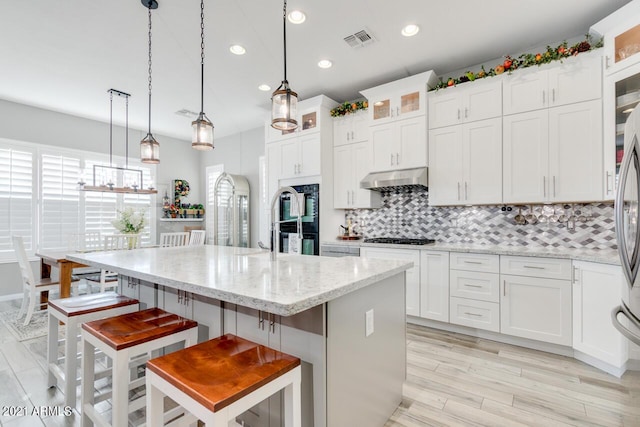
(197, 237)
(107, 279)
(31, 287)
(180, 238)
(84, 242)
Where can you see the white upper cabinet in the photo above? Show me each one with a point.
(399, 145)
(465, 103)
(351, 128)
(300, 156)
(466, 164)
(553, 155)
(621, 42)
(577, 79)
(351, 163)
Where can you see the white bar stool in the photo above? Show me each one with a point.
(122, 338)
(73, 312)
(217, 380)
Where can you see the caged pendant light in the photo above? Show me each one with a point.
(149, 147)
(284, 101)
(202, 126)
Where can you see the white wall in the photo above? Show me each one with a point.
(30, 124)
(239, 154)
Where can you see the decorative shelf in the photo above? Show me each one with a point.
(181, 219)
(106, 189)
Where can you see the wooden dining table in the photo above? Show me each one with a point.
(57, 258)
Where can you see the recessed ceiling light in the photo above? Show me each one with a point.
(410, 30)
(297, 17)
(236, 49)
(325, 63)
(265, 88)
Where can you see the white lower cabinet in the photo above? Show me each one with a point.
(536, 308)
(413, 274)
(475, 314)
(434, 285)
(597, 289)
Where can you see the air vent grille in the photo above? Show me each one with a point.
(187, 113)
(359, 39)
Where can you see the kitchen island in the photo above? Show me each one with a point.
(343, 317)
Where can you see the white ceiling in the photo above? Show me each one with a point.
(65, 55)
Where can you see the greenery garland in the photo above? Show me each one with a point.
(349, 107)
(525, 60)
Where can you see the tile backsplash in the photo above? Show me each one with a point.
(405, 212)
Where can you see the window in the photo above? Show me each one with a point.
(16, 197)
(212, 174)
(40, 200)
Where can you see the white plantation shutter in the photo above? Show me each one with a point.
(212, 174)
(16, 198)
(60, 200)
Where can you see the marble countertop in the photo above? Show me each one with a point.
(247, 277)
(603, 256)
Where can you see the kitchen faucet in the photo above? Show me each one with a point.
(276, 198)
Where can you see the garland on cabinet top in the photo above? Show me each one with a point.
(525, 60)
(348, 108)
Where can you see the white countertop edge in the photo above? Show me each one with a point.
(255, 303)
(602, 256)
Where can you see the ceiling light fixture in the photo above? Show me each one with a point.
(410, 30)
(297, 17)
(202, 126)
(114, 178)
(325, 63)
(236, 49)
(149, 147)
(264, 87)
(284, 101)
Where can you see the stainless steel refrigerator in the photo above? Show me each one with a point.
(626, 317)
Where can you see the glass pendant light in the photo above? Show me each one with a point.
(149, 147)
(284, 101)
(202, 127)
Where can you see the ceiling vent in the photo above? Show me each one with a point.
(360, 39)
(187, 113)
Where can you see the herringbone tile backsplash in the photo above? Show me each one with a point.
(406, 213)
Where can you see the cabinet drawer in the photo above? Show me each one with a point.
(475, 285)
(549, 268)
(475, 314)
(475, 262)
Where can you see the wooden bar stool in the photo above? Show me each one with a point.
(73, 312)
(123, 338)
(219, 379)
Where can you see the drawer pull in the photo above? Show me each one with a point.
(534, 267)
(472, 314)
(472, 262)
(472, 286)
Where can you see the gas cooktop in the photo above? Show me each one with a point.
(399, 241)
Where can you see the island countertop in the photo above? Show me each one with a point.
(247, 277)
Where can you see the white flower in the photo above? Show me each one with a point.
(129, 221)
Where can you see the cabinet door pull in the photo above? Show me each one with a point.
(260, 320)
(391, 159)
(353, 197)
(575, 276)
(472, 314)
(554, 186)
(606, 61)
(609, 176)
(472, 262)
(347, 136)
(352, 137)
(397, 158)
(186, 298)
(466, 112)
(533, 266)
(544, 186)
(466, 191)
(397, 111)
(347, 197)
(553, 95)
(179, 296)
(472, 286)
(458, 114)
(544, 99)
(504, 288)
(458, 191)
(272, 323)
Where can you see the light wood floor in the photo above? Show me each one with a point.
(452, 380)
(457, 380)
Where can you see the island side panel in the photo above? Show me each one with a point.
(365, 374)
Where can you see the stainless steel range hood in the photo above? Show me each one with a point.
(392, 179)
